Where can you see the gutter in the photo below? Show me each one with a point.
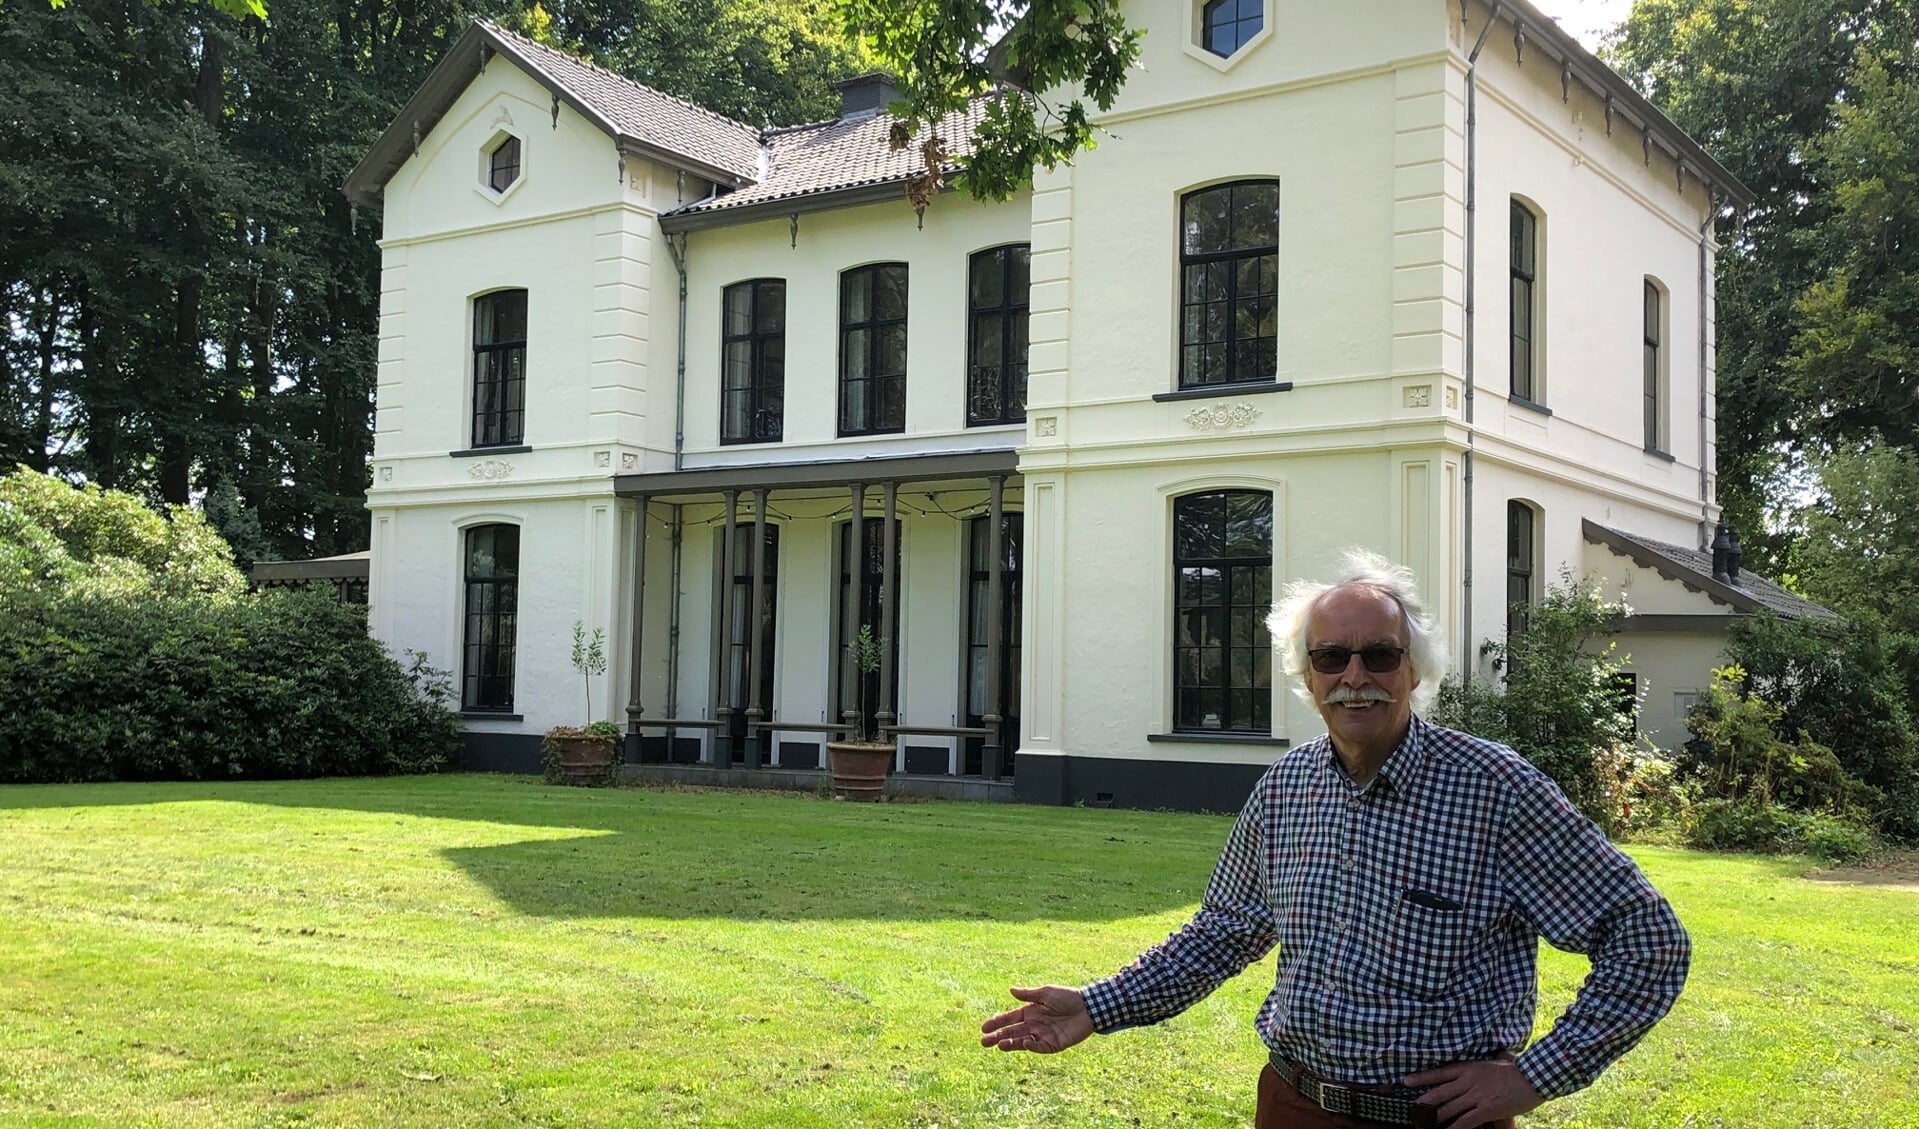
(1472, 433)
(780, 207)
(1705, 266)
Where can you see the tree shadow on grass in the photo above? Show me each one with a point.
(719, 855)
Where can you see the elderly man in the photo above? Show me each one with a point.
(1406, 872)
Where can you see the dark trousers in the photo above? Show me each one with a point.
(1282, 1107)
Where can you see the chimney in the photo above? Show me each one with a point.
(865, 95)
(1733, 556)
(1721, 548)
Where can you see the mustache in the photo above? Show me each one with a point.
(1340, 695)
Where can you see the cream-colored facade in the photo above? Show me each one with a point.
(1399, 137)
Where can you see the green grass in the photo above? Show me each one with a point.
(483, 951)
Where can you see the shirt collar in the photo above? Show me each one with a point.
(1401, 769)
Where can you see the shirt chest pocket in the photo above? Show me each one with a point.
(1423, 947)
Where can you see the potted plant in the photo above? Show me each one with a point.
(584, 755)
(860, 765)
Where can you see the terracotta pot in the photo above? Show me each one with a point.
(586, 760)
(859, 769)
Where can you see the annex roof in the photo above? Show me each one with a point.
(829, 164)
(638, 118)
(1750, 593)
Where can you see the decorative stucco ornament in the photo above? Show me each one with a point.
(1222, 418)
(490, 470)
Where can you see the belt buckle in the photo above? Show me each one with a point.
(1335, 1099)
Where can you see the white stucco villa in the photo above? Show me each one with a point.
(1418, 275)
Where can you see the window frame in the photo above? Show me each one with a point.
(1522, 563)
(1655, 313)
(504, 587)
(1523, 274)
(760, 386)
(1009, 399)
(494, 167)
(876, 329)
(1243, 37)
(1234, 617)
(1191, 347)
(501, 422)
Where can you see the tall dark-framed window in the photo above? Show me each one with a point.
(1226, 25)
(873, 554)
(979, 566)
(499, 368)
(1222, 592)
(1229, 284)
(743, 640)
(753, 362)
(503, 164)
(1520, 570)
(1525, 302)
(998, 285)
(492, 572)
(1652, 363)
(873, 349)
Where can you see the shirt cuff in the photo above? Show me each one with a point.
(1550, 1072)
(1105, 1006)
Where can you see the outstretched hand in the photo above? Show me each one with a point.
(1049, 1020)
(1474, 1093)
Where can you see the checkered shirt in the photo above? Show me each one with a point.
(1407, 916)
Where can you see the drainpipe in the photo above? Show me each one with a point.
(678, 251)
(1472, 225)
(673, 627)
(1705, 266)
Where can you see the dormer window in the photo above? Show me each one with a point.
(503, 164)
(1227, 25)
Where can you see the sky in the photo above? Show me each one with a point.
(1586, 20)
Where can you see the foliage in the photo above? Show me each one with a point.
(1559, 706)
(54, 536)
(1737, 753)
(1835, 688)
(589, 659)
(867, 653)
(166, 687)
(1645, 798)
(1754, 824)
(946, 53)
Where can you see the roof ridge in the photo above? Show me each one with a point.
(750, 132)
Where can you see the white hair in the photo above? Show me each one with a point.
(1360, 569)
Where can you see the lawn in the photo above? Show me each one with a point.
(477, 951)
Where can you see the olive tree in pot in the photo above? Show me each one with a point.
(584, 755)
(860, 765)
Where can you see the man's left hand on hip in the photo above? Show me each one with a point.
(1473, 1093)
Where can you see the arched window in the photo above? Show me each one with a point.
(1229, 284)
(492, 571)
(1525, 303)
(998, 283)
(1222, 592)
(1522, 590)
(1654, 362)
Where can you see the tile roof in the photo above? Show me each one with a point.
(1693, 568)
(643, 113)
(808, 160)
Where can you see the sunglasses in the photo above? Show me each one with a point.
(1380, 658)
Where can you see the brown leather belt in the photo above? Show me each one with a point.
(1353, 1101)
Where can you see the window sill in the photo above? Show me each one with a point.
(1179, 737)
(750, 442)
(490, 715)
(1662, 456)
(476, 452)
(1212, 390)
(1522, 402)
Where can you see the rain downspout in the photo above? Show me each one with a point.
(677, 249)
(1705, 267)
(1472, 213)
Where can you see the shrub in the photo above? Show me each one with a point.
(1559, 707)
(1753, 824)
(128, 650)
(1737, 753)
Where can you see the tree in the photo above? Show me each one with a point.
(946, 53)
